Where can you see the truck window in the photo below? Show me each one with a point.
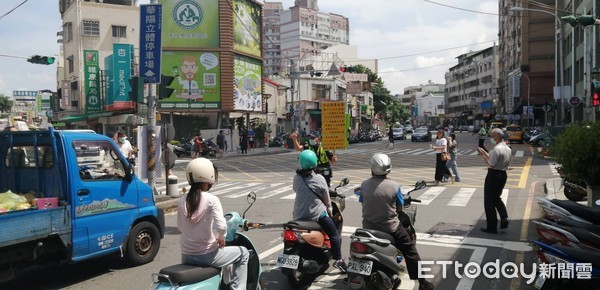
(24, 156)
(98, 160)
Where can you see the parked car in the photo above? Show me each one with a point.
(463, 129)
(471, 129)
(421, 134)
(399, 133)
(408, 129)
(515, 133)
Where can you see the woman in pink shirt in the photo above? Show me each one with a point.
(203, 227)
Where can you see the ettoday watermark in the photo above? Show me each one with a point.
(509, 270)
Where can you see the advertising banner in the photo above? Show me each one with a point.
(92, 81)
(122, 55)
(246, 27)
(109, 95)
(66, 94)
(150, 42)
(197, 80)
(334, 125)
(247, 92)
(190, 24)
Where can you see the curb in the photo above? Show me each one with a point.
(550, 188)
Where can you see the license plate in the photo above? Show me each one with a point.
(288, 261)
(362, 267)
(539, 282)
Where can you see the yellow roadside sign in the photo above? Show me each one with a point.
(333, 133)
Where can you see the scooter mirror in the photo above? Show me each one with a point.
(420, 184)
(357, 191)
(344, 182)
(251, 198)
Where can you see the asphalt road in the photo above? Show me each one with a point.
(448, 221)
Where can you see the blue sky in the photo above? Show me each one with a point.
(384, 29)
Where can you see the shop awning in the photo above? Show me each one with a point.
(83, 117)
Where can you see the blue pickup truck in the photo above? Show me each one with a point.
(95, 205)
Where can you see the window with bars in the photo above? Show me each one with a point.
(91, 28)
(119, 31)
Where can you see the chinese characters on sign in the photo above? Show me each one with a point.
(92, 84)
(334, 125)
(150, 42)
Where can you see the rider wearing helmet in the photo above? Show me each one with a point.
(382, 202)
(313, 203)
(198, 213)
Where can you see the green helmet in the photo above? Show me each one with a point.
(307, 159)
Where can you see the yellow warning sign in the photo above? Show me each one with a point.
(333, 125)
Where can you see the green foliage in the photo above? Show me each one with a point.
(259, 126)
(577, 150)
(5, 104)
(240, 122)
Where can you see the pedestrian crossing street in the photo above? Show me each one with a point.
(451, 196)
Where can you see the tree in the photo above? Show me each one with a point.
(5, 104)
(384, 102)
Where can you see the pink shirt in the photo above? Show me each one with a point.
(197, 236)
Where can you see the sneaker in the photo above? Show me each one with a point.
(340, 265)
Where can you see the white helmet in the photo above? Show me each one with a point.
(381, 164)
(201, 170)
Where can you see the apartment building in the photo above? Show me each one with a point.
(299, 32)
(470, 93)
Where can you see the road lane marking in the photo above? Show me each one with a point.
(242, 187)
(525, 173)
(504, 196)
(430, 195)
(520, 257)
(520, 153)
(276, 191)
(462, 197)
(256, 190)
(290, 196)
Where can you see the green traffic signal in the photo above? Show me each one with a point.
(164, 92)
(571, 19)
(38, 59)
(586, 20)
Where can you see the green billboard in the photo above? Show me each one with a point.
(190, 24)
(246, 27)
(197, 80)
(247, 92)
(92, 81)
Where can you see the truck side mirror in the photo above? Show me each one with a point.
(129, 172)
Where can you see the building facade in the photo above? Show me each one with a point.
(299, 32)
(470, 93)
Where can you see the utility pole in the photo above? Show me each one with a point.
(293, 81)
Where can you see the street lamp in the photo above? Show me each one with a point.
(528, 96)
(560, 54)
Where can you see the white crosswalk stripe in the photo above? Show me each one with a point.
(412, 151)
(452, 196)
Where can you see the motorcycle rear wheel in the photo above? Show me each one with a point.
(573, 194)
(300, 280)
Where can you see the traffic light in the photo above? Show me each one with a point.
(38, 59)
(583, 20)
(347, 69)
(164, 92)
(595, 92)
(136, 94)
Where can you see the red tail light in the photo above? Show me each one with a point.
(358, 247)
(289, 236)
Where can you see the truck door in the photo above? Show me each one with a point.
(105, 203)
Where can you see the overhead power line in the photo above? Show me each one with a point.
(10, 11)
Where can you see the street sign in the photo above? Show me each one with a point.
(150, 42)
(334, 125)
(574, 101)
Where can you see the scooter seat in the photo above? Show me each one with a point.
(186, 274)
(585, 212)
(306, 225)
(582, 255)
(377, 234)
(586, 236)
(575, 224)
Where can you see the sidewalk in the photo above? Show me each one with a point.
(165, 201)
(553, 188)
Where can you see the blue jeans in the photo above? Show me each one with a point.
(336, 242)
(238, 256)
(453, 167)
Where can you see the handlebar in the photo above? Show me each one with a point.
(248, 225)
(415, 200)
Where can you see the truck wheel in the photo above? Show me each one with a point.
(143, 243)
